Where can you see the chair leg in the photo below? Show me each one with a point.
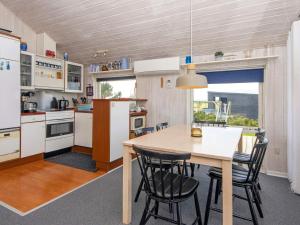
(192, 169)
(186, 170)
(198, 212)
(179, 169)
(143, 220)
(139, 191)
(208, 203)
(156, 209)
(218, 191)
(259, 187)
(170, 208)
(253, 214)
(178, 212)
(254, 194)
(257, 193)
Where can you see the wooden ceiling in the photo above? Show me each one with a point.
(144, 29)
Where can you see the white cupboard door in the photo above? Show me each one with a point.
(119, 128)
(84, 129)
(10, 48)
(33, 137)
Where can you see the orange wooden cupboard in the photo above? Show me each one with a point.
(110, 130)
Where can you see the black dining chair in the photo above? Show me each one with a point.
(161, 126)
(205, 123)
(165, 186)
(143, 131)
(244, 158)
(246, 179)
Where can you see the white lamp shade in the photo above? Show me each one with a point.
(191, 80)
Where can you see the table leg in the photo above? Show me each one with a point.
(227, 192)
(127, 182)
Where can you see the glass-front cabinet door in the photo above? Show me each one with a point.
(73, 77)
(27, 70)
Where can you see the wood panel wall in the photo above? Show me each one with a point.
(164, 104)
(8, 20)
(170, 104)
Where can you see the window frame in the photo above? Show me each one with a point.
(107, 79)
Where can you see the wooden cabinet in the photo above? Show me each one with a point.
(110, 130)
(33, 135)
(73, 77)
(84, 129)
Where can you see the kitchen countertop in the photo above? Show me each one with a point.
(32, 113)
(84, 111)
(143, 113)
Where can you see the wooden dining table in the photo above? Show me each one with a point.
(215, 148)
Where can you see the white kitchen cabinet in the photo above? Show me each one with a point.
(33, 135)
(27, 70)
(84, 129)
(73, 77)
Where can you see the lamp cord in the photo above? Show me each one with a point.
(191, 29)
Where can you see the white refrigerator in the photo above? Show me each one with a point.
(9, 98)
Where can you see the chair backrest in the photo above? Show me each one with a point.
(155, 178)
(211, 123)
(258, 154)
(142, 131)
(148, 130)
(138, 132)
(260, 134)
(161, 126)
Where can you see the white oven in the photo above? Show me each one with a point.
(59, 130)
(137, 122)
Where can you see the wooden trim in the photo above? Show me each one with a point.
(21, 161)
(143, 113)
(9, 35)
(81, 149)
(33, 113)
(83, 111)
(120, 99)
(107, 166)
(101, 131)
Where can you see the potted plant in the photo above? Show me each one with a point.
(219, 55)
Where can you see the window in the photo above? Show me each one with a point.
(117, 87)
(235, 103)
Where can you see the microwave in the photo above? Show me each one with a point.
(137, 122)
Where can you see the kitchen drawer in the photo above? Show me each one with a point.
(33, 118)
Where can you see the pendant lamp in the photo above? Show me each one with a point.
(191, 80)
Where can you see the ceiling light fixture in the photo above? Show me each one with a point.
(191, 80)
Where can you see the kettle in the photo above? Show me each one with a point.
(63, 104)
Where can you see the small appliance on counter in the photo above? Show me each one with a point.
(54, 103)
(30, 107)
(63, 104)
(27, 106)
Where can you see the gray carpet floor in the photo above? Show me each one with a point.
(100, 203)
(76, 160)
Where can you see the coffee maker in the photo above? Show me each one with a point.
(27, 106)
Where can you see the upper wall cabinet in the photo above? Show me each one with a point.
(27, 70)
(73, 77)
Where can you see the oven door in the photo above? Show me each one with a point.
(55, 128)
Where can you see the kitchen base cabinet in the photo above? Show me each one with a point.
(33, 137)
(84, 129)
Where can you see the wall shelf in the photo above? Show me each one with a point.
(234, 60)
(113, 71)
